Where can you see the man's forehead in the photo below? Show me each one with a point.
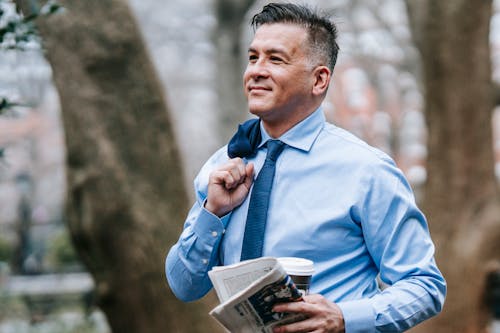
(278, 36)
(280, 28)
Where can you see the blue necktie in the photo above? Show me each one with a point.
(253, 239)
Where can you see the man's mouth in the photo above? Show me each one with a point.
(258, 88)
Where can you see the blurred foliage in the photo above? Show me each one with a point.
(6, 249)
(5, 105)
(61, 255)
(12, 307)
(16, 31)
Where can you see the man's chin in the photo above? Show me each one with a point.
(258, 110)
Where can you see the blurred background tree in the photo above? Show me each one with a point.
(461, 194)
(231, 54)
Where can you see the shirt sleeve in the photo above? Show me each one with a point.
(197, 250)
(397, 237)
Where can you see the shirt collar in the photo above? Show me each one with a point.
(303, 134)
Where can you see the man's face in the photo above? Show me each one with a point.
(278, 80)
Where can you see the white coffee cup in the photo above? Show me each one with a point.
(300, 270)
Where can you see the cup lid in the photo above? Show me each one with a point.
(297, 266)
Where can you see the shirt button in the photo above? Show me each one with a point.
(214, 233)
(204, 261)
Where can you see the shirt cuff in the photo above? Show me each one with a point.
(210, 223)
(359, 316)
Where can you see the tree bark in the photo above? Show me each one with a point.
(461, 195)
(227, 38)
(126, 199)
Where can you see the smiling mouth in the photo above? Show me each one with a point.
(257, 89)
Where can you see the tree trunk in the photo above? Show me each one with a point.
(461, 198)
(227, 38)
(126, 199)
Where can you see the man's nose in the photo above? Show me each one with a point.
(257, 70)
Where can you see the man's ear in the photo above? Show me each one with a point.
(322, 77)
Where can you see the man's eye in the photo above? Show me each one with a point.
(276, 59)
(252, 58)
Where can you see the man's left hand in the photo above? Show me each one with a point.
(323, 316)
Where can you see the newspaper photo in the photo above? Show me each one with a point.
(248, 291)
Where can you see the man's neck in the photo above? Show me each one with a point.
(276, 128)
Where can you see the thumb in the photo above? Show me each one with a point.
(249, 175)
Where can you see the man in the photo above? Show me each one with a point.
(334, 199)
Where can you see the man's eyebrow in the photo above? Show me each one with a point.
(269, 51)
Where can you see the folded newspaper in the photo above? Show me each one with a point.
(248, 291)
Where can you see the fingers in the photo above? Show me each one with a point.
(231, 174)
(311, 305)
(314, 298)
(302, 307)
(322, 315)
(308, 325)
(236, 173)
(249, 175)
(228, 186)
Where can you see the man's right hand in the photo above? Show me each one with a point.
(228, 186)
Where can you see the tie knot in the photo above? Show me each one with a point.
(274, 149)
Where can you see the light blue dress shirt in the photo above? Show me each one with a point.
(340, 203)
